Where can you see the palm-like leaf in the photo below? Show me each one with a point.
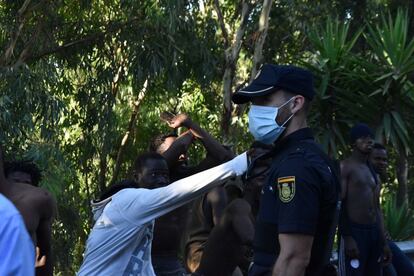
(398, 220)
(333, 58)
(392, 52)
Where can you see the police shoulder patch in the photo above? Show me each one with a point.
(286, 187)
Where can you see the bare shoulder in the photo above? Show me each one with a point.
(39, 197)
(346, 166)
(45, 198)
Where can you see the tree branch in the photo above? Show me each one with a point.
(129, 131)
(216, 6)
(8, 53)
(263, 27)
(111, 28)
(231, 57)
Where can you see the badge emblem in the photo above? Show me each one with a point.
(286, 187)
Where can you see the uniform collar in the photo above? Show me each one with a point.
(298, 135)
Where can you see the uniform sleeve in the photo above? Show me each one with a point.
(143, 205)
(16, 248)
(298, 197)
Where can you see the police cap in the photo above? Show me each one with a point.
(274, 77)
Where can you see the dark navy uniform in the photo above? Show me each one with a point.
(300, 197)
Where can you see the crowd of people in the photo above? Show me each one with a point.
(272, 210)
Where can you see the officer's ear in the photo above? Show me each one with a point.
(297, 103)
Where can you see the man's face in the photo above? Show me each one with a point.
(364, 144)
(20, 177)
(275, 99)
(379, 159)
(154, 174)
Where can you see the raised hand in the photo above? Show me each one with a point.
(180, 120)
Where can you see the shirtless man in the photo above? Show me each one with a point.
(168, 229)
(363, 246)
(401, 263)
(230, 241)
(36, 205)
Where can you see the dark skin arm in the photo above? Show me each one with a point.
(179, 147)
(215, 150)
(217, 201)
(44, 233)
(243, 226)
(351, 248)
(242, 221)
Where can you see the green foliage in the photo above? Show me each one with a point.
(332, 61)
(392, 52)
(72, 73)
(399, 221)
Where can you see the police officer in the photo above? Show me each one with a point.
(298, 208)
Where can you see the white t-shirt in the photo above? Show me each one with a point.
(120, 241)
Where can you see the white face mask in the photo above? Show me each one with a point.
(263, 125)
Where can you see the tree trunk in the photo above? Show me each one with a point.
(258, 47)
(231, 56)
(130, 130)
(262, 33)
(227, 104)
(402, 177)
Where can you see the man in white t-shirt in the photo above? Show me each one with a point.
(120, 241)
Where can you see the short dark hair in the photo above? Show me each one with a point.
(118, 186)
(25, 166)
(158, 140)
(143, 157)
(379, 146)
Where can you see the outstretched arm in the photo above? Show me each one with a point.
(144, 205)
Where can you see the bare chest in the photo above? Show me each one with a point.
(362, 180)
